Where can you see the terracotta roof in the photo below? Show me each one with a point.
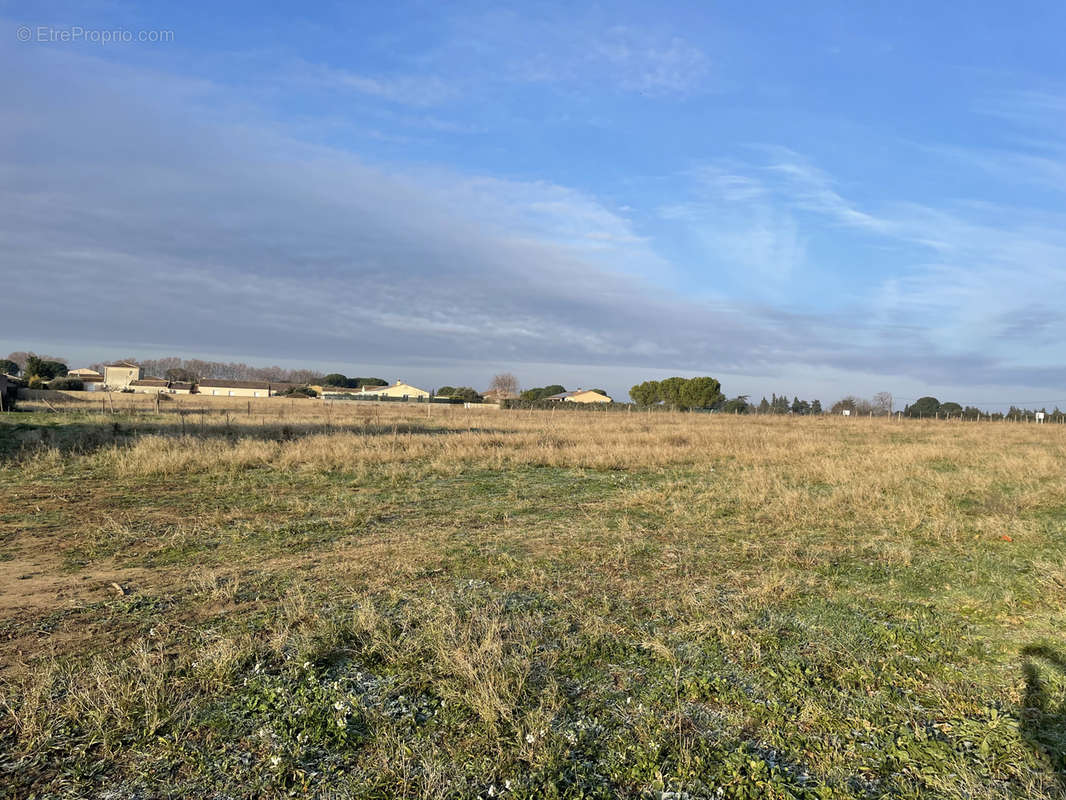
(218, 384)
(390, 386)
(495, 393)
(126, 364)
(564, 395)
(150, 382)
(88, 378)
(180, 385)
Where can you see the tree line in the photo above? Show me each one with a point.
(337, 379)
(191, 370)
(39, 371)
(929, 407)
(680, 393)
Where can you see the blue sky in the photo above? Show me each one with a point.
(818, 200)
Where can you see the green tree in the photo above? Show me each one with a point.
(737, 405)
(532, 395)
(335, 379)
(705, 392)
(923, 407)
(466, 394)
(849, 403)
(355, 383)
(9, 366)
(670, 391)
(950, 409)
(445, 391)
(645, 394)
(554, 388)
(33, 367)
(44, 369)
(816, 406)
(764, 406)
(800, 406)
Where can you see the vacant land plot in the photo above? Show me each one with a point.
(386, 602)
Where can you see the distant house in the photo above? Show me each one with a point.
(180, 387)
(225, 388)
(338, 392)
(399, 390)
(82, 373)
(121, 374)
(150, 386)
(91, 384)
(579, 396)
(496, 395)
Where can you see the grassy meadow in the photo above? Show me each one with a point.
(368, 601)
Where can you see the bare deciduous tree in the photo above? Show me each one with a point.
(504, 384)
(883, 403)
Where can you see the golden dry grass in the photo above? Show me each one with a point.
(600, 603)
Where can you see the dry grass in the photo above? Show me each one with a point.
(585, 603)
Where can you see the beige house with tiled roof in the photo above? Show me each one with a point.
(580, 396)
(226, 388)
(400, 390)
(121, 374)
(344, 392)
(150, 386)
(496, 395)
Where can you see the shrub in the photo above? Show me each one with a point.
(299, 391)
(466, 394)
(67, 384)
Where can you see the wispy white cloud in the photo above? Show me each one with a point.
(412, 90)
(809, 188)
(581, 51)
(966, 281)
(649, 64)
(278, 247)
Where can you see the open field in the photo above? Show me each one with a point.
(399, 602)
